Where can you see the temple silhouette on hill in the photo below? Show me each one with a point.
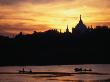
(81, 46)
(80, 27)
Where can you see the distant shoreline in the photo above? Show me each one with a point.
(58, 73)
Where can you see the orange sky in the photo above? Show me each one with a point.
(41, 15)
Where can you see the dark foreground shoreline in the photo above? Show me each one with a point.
(54, 48)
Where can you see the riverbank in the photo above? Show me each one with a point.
(58, 73)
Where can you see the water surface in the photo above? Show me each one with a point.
(100, 68)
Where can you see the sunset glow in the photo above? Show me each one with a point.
(41, 15)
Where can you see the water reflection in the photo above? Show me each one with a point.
(57, 80)
(56, 77)
(43, 78)
(52, 78)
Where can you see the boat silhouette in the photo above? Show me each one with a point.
(24, 72)
(82, 70)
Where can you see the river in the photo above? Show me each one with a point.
(99, 68)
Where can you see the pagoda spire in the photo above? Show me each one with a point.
(81, 27)
(81, 19)
(67, 29)
(67, 26)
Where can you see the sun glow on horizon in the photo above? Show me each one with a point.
(40, 15)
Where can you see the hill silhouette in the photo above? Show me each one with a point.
(53, 47)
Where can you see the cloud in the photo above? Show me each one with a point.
(23, 27)
(67, 3)
(11, 2)
(15, 18)
(40, 15)
(8, 29)
(97, 3)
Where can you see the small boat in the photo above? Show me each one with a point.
(87, 70)
(82, 70)
(24, 72)
(78, 69)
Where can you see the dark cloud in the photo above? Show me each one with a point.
(12, 2)
(95, 3)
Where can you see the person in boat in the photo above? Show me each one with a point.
(30, 71)
(81, 70)
(22, 71)
(87, 70)
(78, 69)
